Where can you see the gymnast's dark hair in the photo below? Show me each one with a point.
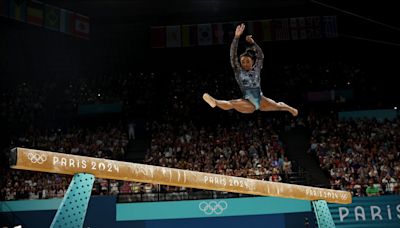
(250, 52)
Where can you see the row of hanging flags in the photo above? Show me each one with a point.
(48, 16)
(299, 28)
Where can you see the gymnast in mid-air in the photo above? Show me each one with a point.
(247, 74)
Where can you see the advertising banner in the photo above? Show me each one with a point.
(381, 211)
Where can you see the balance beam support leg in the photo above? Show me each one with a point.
(322, 214)
(72, 211)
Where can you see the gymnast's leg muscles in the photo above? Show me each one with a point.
(268, 104)
(241, 105)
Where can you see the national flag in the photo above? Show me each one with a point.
(189, 35)
(4, 8)
(294, 29)
(66, 21)
(301, 23)
(313, 27)
(35, 13)
(329, 26)
(281, 29)
(18, 10)
(204, 34)
(218, 33)
(266, 27)
(229, 31)
(173, 36)
(158, 38)
(255, 29)
(52, 17)
(317, 27)
(249, 27)
(81, 26)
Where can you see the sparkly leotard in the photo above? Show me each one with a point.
(249, 81)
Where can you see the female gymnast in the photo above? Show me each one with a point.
(247, 74)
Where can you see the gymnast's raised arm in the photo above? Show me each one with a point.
(258, 50)
(233, 52)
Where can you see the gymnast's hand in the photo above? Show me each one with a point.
(239, 30)
(249, 39)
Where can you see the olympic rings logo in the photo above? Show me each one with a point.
(213, 207)
(37, 158)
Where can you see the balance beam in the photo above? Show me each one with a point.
(51, 162)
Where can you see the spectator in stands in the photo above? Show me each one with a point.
(287, 166)
(372, 190)
(131, 131)
(275, 177)
(247, 74)
(389, 184)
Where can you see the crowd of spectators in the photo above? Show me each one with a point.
(172, 92)
(249, 148)
(319, 76)
(254, 152)
(103, 142)
(136, 91)
(358, 155)
(23, 102)
(185, 135)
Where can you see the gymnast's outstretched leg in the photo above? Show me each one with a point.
(268, 104)
(240, 105)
